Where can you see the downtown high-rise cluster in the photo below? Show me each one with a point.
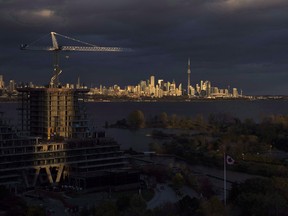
(150, 88)
(145, 88)
(159, 88)
(206, 90)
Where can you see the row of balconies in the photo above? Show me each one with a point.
(103, 166)
(15, 142)
(11, 157)
(5, 175)
(5, 128)
(26, 153)
(9, 181)
(7, 136)
(99, 143)
(16, 165)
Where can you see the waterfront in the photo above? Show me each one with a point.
(207, 174)
(139, 140)
(111, 112)
(100, 112)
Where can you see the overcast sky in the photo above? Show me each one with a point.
(241, 43)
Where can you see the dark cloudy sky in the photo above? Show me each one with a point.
(241, 43)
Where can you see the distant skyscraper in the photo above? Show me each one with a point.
(11, 87)
(201, 85)
(207, 87)
(78, 83)
(235, 92)
(198, 89)
(143, 85)
(160, 83)
(152, 81)
(188, 81)
(1, 82)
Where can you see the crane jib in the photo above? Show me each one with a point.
(57, 47)
(93, 49)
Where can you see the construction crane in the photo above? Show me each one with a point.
(56, 49)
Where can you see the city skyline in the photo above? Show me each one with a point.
(239, 43)
(148, 87)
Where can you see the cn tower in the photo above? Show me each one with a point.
(188, 82)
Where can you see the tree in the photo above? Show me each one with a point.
(174, 121)
(212, 207)
(137, 202)
(136, 119)
(167, 209)
(13, 205)
(157, 147)
(123, 202)
(106, 209)
(178, 180)
(257, 196)
(206, 187)
(164, 119)
(35, 211)
(200, 122)
(281, 184)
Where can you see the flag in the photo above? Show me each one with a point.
(229, 160)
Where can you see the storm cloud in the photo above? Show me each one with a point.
(241, 43)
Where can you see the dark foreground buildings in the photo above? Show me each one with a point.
(53, 145)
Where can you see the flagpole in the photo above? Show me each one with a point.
(224, 179)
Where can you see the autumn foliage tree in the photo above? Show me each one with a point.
(136, 119)
(258, 196)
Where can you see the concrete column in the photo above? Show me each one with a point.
(49, 174)
(25, 178)
(36, 176)
(59, 173)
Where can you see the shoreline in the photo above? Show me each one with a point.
(170, 99)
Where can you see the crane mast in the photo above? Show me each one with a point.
(56, 49)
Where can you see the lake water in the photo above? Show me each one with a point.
(112, 111)
(139, 140)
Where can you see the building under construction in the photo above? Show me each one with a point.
(53, 113)
(53, 143)
(56, 146)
